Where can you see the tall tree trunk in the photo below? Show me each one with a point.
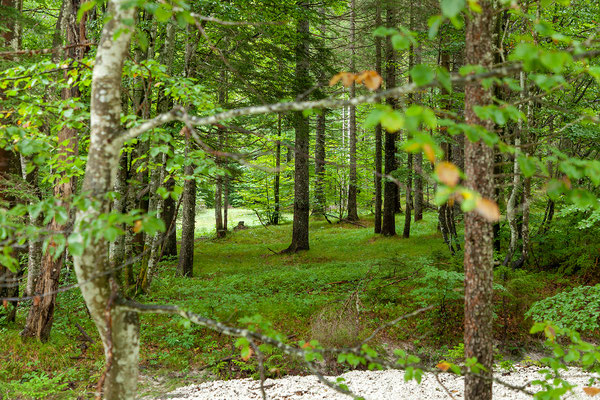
(41, 314)
(186, 252)
(418, 169)
(9, 280)
(388, 227)
(478, 259)
(169, 247)
(275, 220)
(34, 252)
(225, 201)
(117, 247)
(120, 332)
(156, 176)
(301, 127)
(320, 206)
(378, 169)
(352, 187)
(409, 159)
(185, 267)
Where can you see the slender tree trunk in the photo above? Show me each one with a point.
(352, 187)
(120, 332)
(378, 167)
(168, 217)
(117, 248)
(320, 199)
(479, 160)
(170, 240)
(34, 256)
(185, 267)
(276, 211)
(9, 280)
(409, 200)
(225, 201)
(418, 169)
(219, 198)
(301, 126)
(388, 227)
(41, 314)
(186, 252)
(409, 159)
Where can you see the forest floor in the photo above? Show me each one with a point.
(347, 284)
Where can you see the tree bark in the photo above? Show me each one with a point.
(9, 280)
(388, 227)
(301, 127)
(320, 206)
(34, 251)
(170, 240)
(186, 251)
(120, 332)
(275, 220)
(478, 259)
(185, 267)
(378, 169)
(352, 187)
(41, 314)
(418, 169)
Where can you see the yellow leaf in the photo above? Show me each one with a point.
(591, 391)
(444, 366)
(371, 79)
(429, 153)
(347, 79)
(488, 209)
(447, 173)
(411, 148)
(137, 226)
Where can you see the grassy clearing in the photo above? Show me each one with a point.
(348, 283)
(205, 220)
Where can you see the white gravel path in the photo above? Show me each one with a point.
(373, 385)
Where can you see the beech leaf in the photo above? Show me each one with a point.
(371, 79)
(488, 209)
(347, 79)
(447, 173)
(591, 391)
(444, 366)
(429, 153)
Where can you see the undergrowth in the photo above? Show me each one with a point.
(350, 282)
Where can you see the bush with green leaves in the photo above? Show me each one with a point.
(577, 309)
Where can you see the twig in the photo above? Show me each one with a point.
(261, 367)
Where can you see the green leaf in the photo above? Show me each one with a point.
(555, 61)
(392, 121)
(383, 31)
(527, 165)
(162, 14)
(434, 25)
(422, 75)
(400, 42)
(85, 7)
(76, 245)
(451, 8)
(443, 77)
(374, 118)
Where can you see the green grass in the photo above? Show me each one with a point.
(240, 276)
(205, 220)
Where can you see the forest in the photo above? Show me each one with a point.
(294, 199)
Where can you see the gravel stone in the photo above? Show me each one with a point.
(372, 385)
